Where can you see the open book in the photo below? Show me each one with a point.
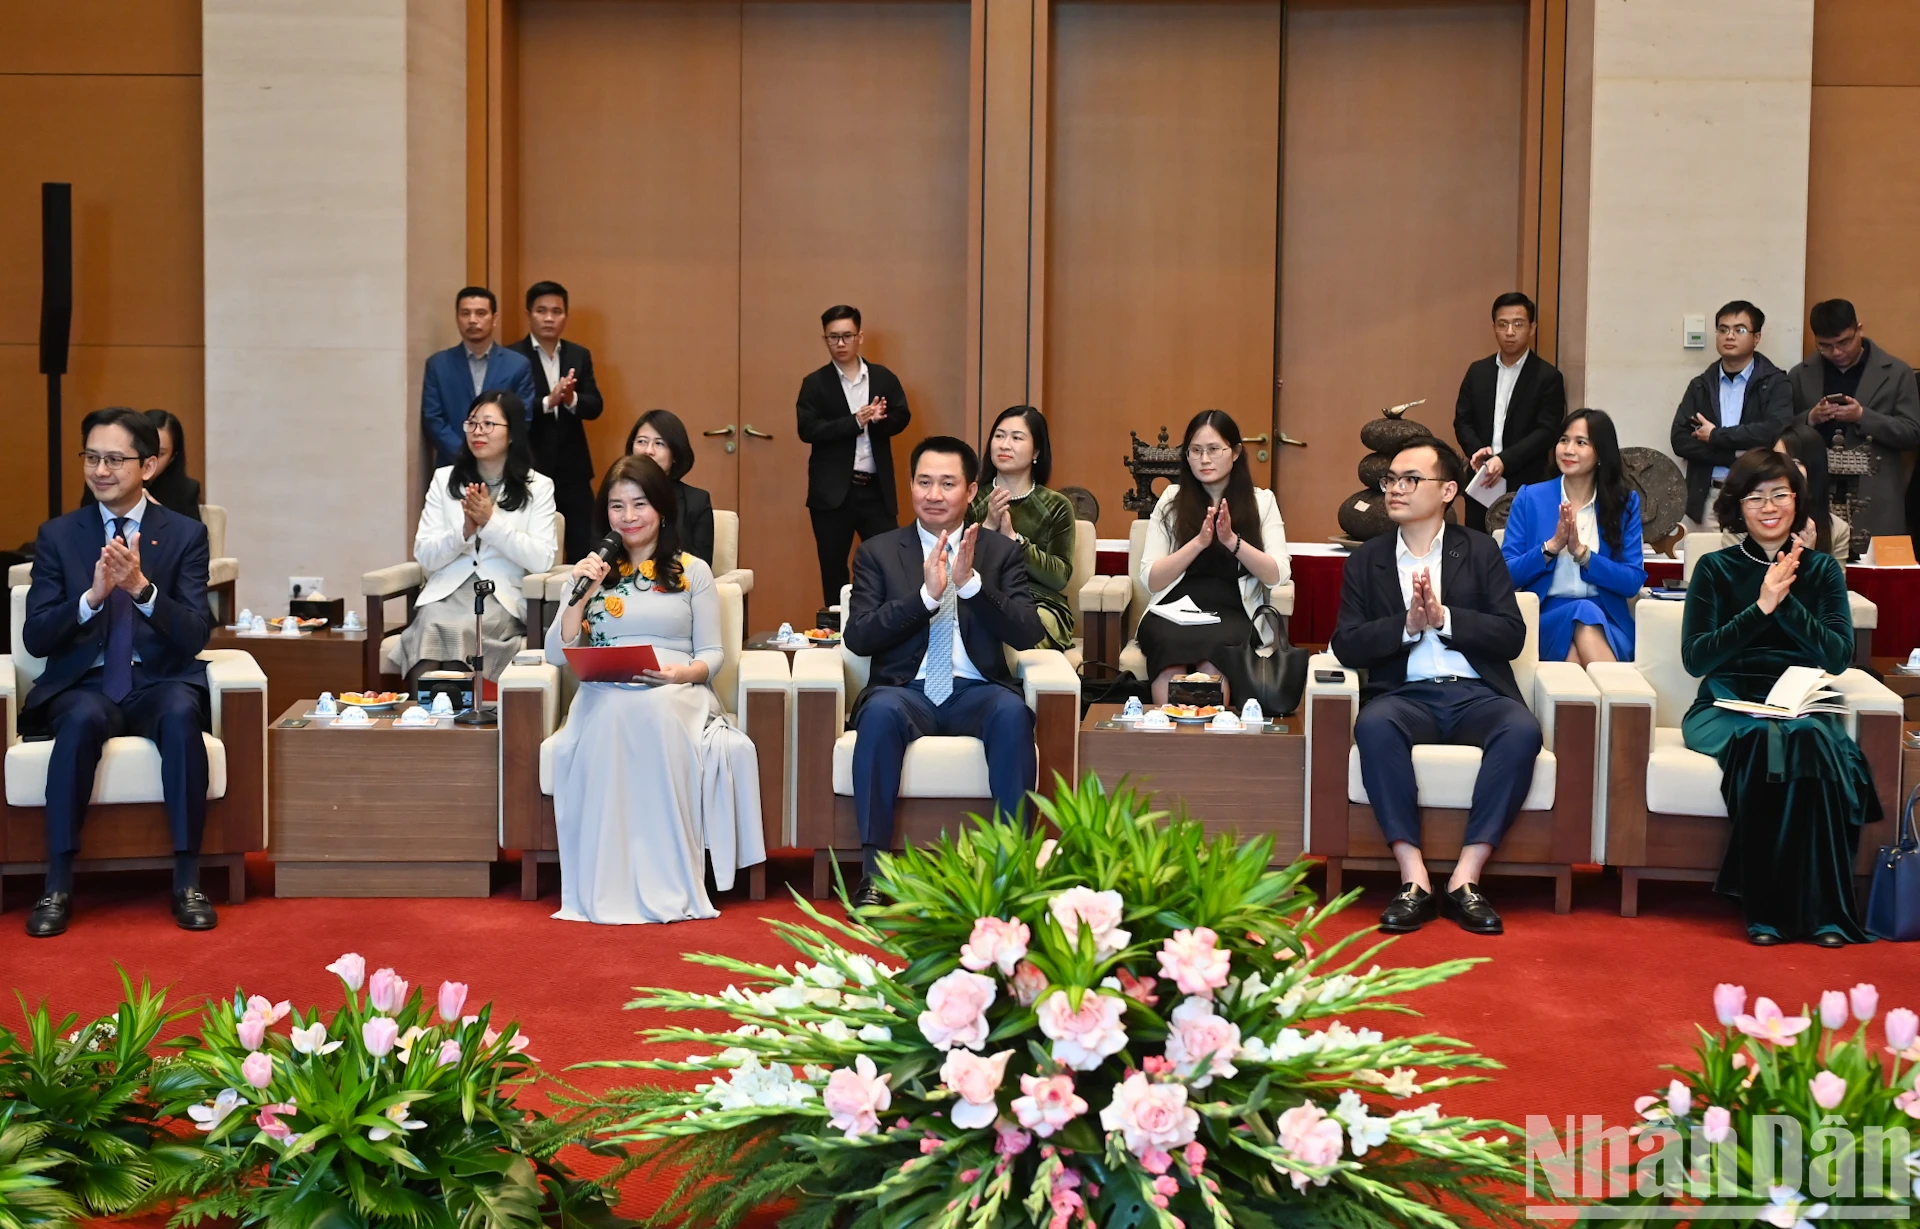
(1798, 691)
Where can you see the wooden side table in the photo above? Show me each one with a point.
(1906, 686)
(1239, 784)
(304, 665)
(380, 811)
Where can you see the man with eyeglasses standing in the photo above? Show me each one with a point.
(1864, 403)
(1508, 413)
(118, 609)
(1741, 401)
(458, 374)
(569, 396)
(849, 411)
(1428, 612)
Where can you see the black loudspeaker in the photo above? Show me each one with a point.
(56, 276)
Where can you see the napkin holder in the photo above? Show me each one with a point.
(1198, 694)
(457, 686)
(334, 611)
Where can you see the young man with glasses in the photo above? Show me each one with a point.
(118, 609)
(849, 411)
(1741, 401)
(1863, 402)
(1508, 413)
(458, 374)
(1428, 612)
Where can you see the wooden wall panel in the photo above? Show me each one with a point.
(100, 36)
(1161, 228)
(1404, 129)
(1866, 42)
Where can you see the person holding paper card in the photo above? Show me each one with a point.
(1797, 789)
(1576, 543)
(1215, 545)
(648, 777)
(1509, 408)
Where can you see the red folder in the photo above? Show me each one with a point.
(612, 664)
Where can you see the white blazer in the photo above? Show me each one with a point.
(506, 548)
(1273, 540)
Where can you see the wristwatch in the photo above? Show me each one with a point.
(146, 595)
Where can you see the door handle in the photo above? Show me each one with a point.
(726, 430)
(1288, 439)
(758, 435)
(1254, 439)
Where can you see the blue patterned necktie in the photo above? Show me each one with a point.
(117, 680)
(940, 642)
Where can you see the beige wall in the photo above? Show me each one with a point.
(1699, 191)
(335, 168)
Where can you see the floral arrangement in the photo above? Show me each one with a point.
(1112, 1026)
(1802, 1117)
(395, 1111)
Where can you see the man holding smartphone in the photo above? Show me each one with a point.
(1864, 402)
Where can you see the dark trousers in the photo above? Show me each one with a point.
(892, 717)
(1465, 713)
(864, 513)
(573, 499)
(82, 719)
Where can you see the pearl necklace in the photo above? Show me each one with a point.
(1760, 559)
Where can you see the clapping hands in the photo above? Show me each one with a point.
(117, 568)
(1780, 577)
(934, 572)
(477, 504)
(1423, 609)
(1566, 534)
(999, 518)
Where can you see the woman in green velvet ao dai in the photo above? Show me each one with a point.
(1015, 501)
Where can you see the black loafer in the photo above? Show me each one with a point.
(867, 896)
(193, 911)
(1413, 908)
(1763, 936)
(1473, 911)
(1830, 938)
(50, 915)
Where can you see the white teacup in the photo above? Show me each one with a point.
(353, 716)
(1226, 721)
(326, 706)
(1156, 720)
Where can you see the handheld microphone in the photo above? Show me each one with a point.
(608, 550)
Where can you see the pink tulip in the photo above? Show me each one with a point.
(1770, 1024)
(1833, 1009)
(274, 1012)
(453, 996)
(449, 1053)
(252, 1029)
(1908, 1101)
(1715, 1124)
(1679, 1099)
(352, 969)
(1866, 1001)
(386, 991)
(379, 1035)
(1729, 1001)
(268, 1120)
(1902, 1026)
(1828, 1089)
(258, 1069)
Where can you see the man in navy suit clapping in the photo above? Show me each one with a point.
(455, 377)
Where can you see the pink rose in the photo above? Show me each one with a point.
(1828, 1089)
(386, 991)
(252, 1029)
(1193, 962)
(379, 1035)
(1729, 1001)
(1312, 1138)
(453, 996)
(956, 1013)
(855, 1097)
(1049, 1104)
(1833, 1009)
(1679, 1099)
(1715, 1124)
(976, 1080)
(449, 1053)
(1028, 983)
(1902, 1026)
(1081, 1039)
(1011, 1140)
(258, 1069)
(1102, 913)
(268, 1120)
(1154, 1117)
(352, 969)
(1866, 1001)
(995, 942)
(1193, 1033)
(1139, 989)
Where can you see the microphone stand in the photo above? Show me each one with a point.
(479, 714)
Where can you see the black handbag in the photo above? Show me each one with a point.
(1893, 906)
(1279, 679)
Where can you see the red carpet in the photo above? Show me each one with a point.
(1582, 1009)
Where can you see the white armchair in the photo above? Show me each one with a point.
(126, 828)
(1555, 829)
(1129, 594)
(1866, 615)
(754, 687)
(1661, 813)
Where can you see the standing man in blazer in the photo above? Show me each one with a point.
(1429, 613)
(1860, 399)
(1508, 413)
(458, 374)
(563, 380)
(935, 605)
(1740, 401)
(118, 609)
(849, 411)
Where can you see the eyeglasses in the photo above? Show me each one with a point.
(840, 339)
(1510, 326)
(1733, 330)
(483, 426)
(112, 460)
(1773, 499)
(1409, 482)
(1207, 452)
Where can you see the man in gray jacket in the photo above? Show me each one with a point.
(1739, 402)
(1863, 401)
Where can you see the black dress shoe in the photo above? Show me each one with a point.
(867, 896)
(193, 911)
(1413, 908)
(1763, 936)
(50, 915)
(1830, 938)
(1473, 911)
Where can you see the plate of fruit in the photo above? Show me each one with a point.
(823, 635)
(1190, 714)
(372, 701)
(305, 625)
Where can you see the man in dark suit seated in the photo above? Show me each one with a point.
(569, 396)
(1428, 613)
(458, 374)
(118, 609)
(935, 605)
(1511, 403)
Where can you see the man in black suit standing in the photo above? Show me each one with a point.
(849, 411)
(1510, 407)
(1428, 612)
(935, 605)
(563, 380)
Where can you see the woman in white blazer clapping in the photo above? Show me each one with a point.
(1216, 539)
(488, 516)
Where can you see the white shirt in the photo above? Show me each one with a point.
(550, 363)
(963, 666)
(1567, 581)
(1504, 378)
(1429, 658)
(858, 394)
(134, 517)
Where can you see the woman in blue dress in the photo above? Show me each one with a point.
(1576, 543)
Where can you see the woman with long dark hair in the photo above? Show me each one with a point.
(650, 776)
(1824, 531)
(487, 516)
(1576, 542)
(1216, 540)
(1019, 505)
(172, 488)
(661, 435)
